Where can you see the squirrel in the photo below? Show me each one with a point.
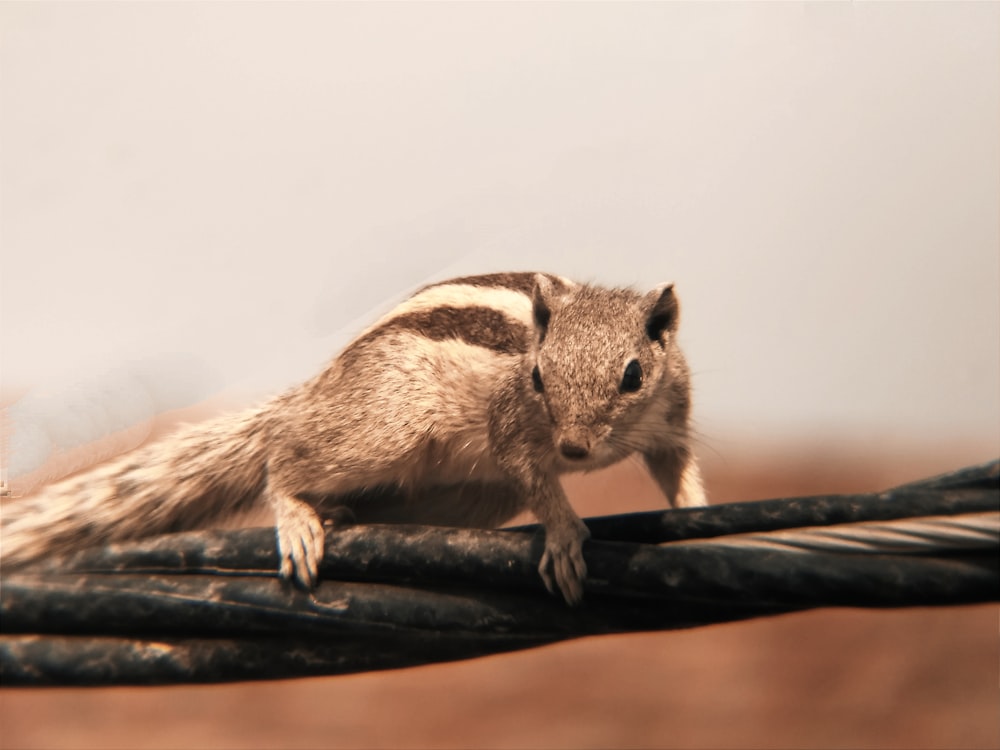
(462, 406)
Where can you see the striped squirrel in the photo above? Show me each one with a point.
(461, 406)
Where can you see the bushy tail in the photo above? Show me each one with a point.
(201, 473)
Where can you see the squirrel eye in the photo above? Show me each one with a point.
(632, 379)
(536, 379)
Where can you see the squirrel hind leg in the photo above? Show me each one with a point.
(337, 517)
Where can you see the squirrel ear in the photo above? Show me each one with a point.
(541, 310)
(662, 312)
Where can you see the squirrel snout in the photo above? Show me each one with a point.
(575, 444)
(573, 451)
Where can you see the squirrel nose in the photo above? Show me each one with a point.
(573, 450)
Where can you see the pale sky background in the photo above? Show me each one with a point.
(199, 198)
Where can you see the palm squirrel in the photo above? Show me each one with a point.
(461, 406)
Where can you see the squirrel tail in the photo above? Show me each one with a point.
(200, 473)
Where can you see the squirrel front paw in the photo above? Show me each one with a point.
(562, 564)
(300, 542)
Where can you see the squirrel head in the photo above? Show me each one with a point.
(603, 358)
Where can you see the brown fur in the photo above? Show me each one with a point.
(429, 416)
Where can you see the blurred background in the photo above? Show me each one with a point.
(201, 202)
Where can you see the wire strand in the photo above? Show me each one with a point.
(929, 534)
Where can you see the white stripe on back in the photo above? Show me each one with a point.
(513, 304)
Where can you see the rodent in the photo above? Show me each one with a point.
(461, 406)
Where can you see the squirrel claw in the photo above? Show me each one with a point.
(300, 543)
(563, 567)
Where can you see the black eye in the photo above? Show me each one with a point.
(536, 379)
(632, 379)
